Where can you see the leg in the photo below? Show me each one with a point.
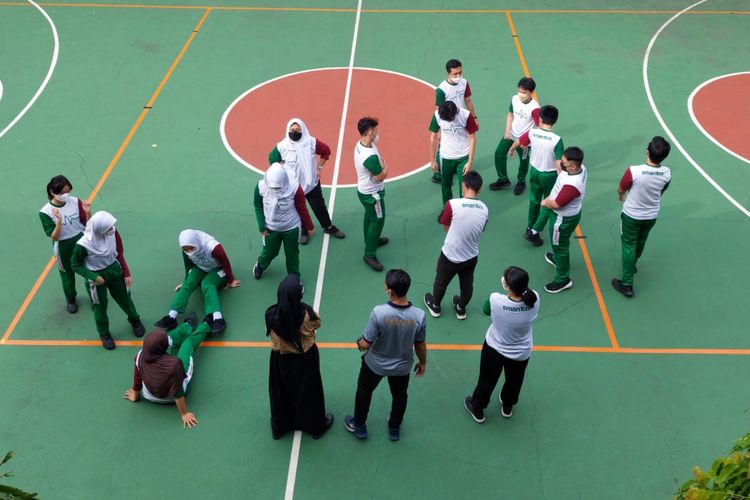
(444, 273)
(210, 289)
(188, 341)
(121, 294)
(501, 159)
(189, 284)
(514, 373)
(466, 281)
(561, 232)
(448, 168)
(643, 230)
(271, 247)
(398, 385)
(366, 384)
(291, 250)
(67, 275)
(547, 182)
(629, 241)
(523, 164)
(490, 368)
(99, 300)
(460, 175)
(373, 225)
(318, 205)
(535, 197)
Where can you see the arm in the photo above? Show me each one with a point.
(220, 255)
(524, 141)
(508, 123)
(121, 257)
(420, 349)
(439, 96)
(301, 205)
(626, 182)
(188, 418)
(52, 228)
(259, 215)
(666, 186)
(274, 156)
(134, 393)
(77, 263)
(566, 195)
(470, 104)
(559, 150)
(434, 143)
(447, 216)
(323, 152)
(187, 263)
(84, 211)
(473, 145)
(486, 309)
(370, 335)
(377, 170)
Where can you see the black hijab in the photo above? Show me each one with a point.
(163, 374)
(285, 317)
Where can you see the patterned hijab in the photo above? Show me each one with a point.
(285, 317)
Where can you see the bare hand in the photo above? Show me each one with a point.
(128, 281)
(86, 208)
(99, 281)
(510, 152)
(232, 284)
(467, 168)
(419, 369)
(622, 196)
(434, 166)
(311, 231)
(188, 420)
(56, 213)
(132, 395)
(264, 233)
(507, 135)
(177, 288)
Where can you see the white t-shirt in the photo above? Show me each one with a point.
(644, 194)
(455, 92)
(511, 333)
(578, 181)
(71, 223)
(366, 183)
(546, 147)
(522, 116)
(468, 220)
(454, 136)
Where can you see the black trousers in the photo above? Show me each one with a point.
(490, 367)
(366, 384)
(445, 272)
(318, 205)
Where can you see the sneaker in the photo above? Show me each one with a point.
(373, 262)
(167, 323)
(257, 271)
(550, 258)
(191, 320)
(304, 238)
(360, 431)
(383, 241)
(623, 289)
(335, 232)
(436, 178)
(520, 187)
(394, 433)
(476, 413)
(534, 238)
(108, 342)
(71, 306)
(138, 328)
(429, 301)
(505, 411)
(218, 326)
(558, 287)
(209, 320)
(460, 311)
(498, 184)
(327, 423)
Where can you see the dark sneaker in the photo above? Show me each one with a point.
(518, 190)
(108, 342)
(209, 320)
(373, 262)
(383, 241)
(360, 431)
(257, 271)
(505, 411)
(498, 184)
(623, 289)
(431, 306)
(219, 326)
(550, 258)
(533, 238)
(327, 423)
(394, 433)
(460, 311)
(304, 238)
(71, 306)
(558, 287)
(192, 320)
(436, 178)
(167, 323)
(335, 232)
(476, 413)
(138, 328)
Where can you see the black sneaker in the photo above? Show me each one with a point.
(327, 423)
(191, 320)
(218, 326)
(550, 258)
(476, 413)
(257, 271)
(335, 232)
(304, 238)
(498, 184)
(360, 431)
(383, 241)
(71, 306)
(460, 311)
(167, 323)
(533, 238)
(505, 411)
(394, 433)
(430, 303)
(108, 342)
(518, 190)
(558, 287)
(138, 328)
(623, 289)
(436, 178)
(373, 262)
(209, 320)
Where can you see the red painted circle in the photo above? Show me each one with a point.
(402, 105)
(722, 107)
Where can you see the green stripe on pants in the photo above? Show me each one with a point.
(633, 234)
(540, 186)
(501, 161)
(560, 230)
(272, 245)
(209, 283)
(373, 225)
(114, 282)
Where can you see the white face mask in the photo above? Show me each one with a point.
(63, 197)
(454, 79)
(505, 284)
(375, 139)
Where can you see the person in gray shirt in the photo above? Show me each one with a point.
(395, 331)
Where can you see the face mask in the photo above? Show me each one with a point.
(62, 198)
(524, 98)
(110, 231)
(505, 284)
(454, 79)
(375, 139)
(295, 135)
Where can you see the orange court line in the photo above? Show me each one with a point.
(579, 234)
(32, 293)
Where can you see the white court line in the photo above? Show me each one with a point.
(294, 459)
(697, 123)
(664, 125)
(1, 90)
(53, 64)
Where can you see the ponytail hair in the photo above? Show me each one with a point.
(518, 281)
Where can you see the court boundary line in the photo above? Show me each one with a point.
(579, 233)
(146, 109)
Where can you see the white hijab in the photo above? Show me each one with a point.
(277, 184)
(101, 247)
(300, 155)
(204, 244)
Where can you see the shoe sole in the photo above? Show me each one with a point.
(568, 285)
(257, 275)
(354, 432)
(550, 262)
(477, 420)
(458, 314)
(502, 413)
(432, 313)
(628, 294)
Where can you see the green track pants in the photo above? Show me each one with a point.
(560, 230)
(114, 282)
(67, 275)
(209, 282)
(501, 161)
(374, 220)
(272, 245)
(633, 234)
(540, 186)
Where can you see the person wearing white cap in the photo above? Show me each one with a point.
(280, 210)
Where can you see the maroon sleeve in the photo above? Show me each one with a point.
(121, 254)
(471, 125)
(468, 90)
(81, 212)
(535, 116)
(524, 139)
(627, 181)
(322, 149)
(447, 216)
(137, 382)
(567, 194)
(299, 202)
(219, 254)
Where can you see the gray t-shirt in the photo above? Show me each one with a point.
(393, 330)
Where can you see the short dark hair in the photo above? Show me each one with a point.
(56, 185)
(398, 281)
(452, 63)
(574, 155)
(658, 149)
(527, 83)
(473, 180)
(548, 114)
(366, 123)
(447, 111)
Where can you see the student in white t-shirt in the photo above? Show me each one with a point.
(507, 345)
(643, 184)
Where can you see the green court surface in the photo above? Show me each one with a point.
(623, 396)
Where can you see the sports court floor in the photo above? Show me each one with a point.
(132, 101)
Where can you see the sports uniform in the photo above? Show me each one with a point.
(371, 194)
(525, 116)
(455, 147)
(568, 192)
(546, 147)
